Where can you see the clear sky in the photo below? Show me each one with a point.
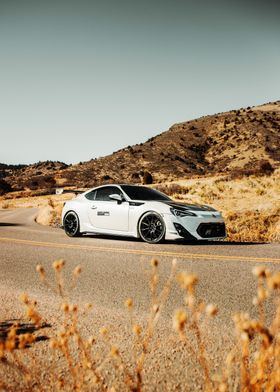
(80, 79)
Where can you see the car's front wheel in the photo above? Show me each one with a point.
(71, 224)
(151, 227)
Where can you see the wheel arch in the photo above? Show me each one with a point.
(67, 212)
(79, 209)
(71, 211)
(150, 211)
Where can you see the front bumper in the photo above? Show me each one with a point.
(212, 230)
(206, 227)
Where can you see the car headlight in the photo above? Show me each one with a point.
(181, 213)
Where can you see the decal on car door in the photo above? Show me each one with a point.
(103, 213)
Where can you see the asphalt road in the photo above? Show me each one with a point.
(114, 269)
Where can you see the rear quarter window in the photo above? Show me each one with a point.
(90, 195)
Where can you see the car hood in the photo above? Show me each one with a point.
(185, 206)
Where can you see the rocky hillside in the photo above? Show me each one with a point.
(39, 175)
(8, 170)
(239, 142)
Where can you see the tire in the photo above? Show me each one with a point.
(71, 224)
(151, 227)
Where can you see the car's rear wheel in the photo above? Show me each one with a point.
(151, 227)
(71, 224)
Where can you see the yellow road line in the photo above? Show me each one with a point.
(142, 251)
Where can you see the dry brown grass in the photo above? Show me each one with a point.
(250, 205)
(5, 205)
(17, 201)
(50, 215)
(254, 225)
(252, 365)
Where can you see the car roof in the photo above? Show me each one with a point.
(107, 185)
(115, 184)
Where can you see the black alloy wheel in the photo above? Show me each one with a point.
(151, 227)
(71, 224)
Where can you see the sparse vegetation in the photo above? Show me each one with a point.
(82, 361)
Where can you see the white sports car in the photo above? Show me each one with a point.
(139, 211)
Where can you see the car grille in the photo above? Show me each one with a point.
(211, 230)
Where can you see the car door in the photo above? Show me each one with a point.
(107, 214)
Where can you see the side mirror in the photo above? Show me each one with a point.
(116, 197)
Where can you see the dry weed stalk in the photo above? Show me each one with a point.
(55, 212)
(253, 365)
(85, 366)
(12, 344)
(257, 350)
(187, 322)
(143, 337)
(259, 343)
(83, 369)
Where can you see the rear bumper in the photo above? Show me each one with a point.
(194, 228)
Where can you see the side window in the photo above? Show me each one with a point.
(104, 193)
(90, 195)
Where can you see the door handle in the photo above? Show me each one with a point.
(93, 207)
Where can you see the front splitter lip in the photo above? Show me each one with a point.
(176, 236)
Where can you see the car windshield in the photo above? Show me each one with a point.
(143, 193)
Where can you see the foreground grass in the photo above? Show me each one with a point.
(96, 362)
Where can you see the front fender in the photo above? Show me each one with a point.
(135, 214)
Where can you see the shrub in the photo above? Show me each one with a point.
(5, 205)
(40, 182)
(106, 177)
(266, 167)
(135, 176)
(4, 187)
(147, 178)
(260, 168)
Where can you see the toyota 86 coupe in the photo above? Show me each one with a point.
(140, 212)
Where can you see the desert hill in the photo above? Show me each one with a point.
(6, 170)
(40, 175)
(240, 141)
